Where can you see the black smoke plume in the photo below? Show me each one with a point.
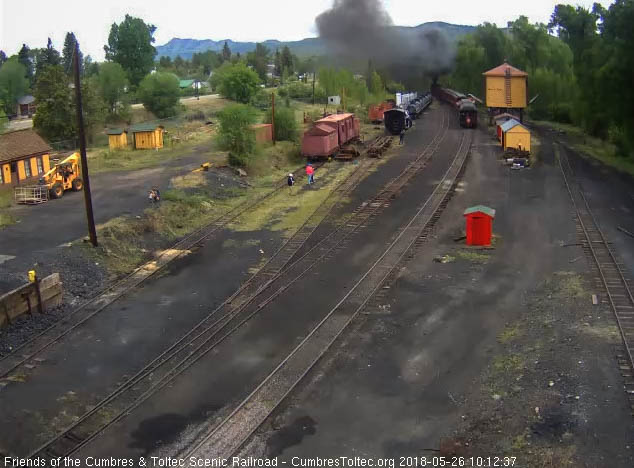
(359, 30)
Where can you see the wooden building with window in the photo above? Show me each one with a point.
(147, 136)
(117, 138)
(24, 156)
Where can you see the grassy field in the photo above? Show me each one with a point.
(6, 199)
(596, 148)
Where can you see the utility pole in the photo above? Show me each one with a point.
(92, 232)
(313, 87)
(273, 116)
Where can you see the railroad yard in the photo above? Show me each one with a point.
(393, 267)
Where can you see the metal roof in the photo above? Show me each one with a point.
(20, 144)
(28, 99)
(336, 117)
(144, 127)
(115, 131)
(321, 130)
(509, 124)
(501, 71)
(480, 209)
(185, 83)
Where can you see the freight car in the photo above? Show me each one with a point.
(467, 111)
(418, 105)
(397, 120)
(375, 113)
(329, 135)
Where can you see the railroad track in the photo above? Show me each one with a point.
(27, 351)
(226, 437)
(234, 312)
(610, 273)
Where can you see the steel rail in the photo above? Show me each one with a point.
(603, 244)
(234, 437)
(69, 438)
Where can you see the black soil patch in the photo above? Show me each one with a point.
(290, 435)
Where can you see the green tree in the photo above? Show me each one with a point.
(259, 60)
(165, 62)
(89, 67)
(93, 105)
(24, 57)
(46, 57)
(68, 53)
(159, 93)
(13, 84)
(236, 82)
(3, 120)
(111, 83)
(376, 84)
(55, 116)
(130, 45)
(287, 60)
(235, 133)
(226, 52)
(278, 63)
(286, 126)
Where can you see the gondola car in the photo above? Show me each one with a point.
(397, 120)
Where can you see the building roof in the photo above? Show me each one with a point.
(480, 209)
(509, 124)
(501, 71)
(144, 127)
(185, 83)
(28, 99)
(115, 131)
(20, 144)
(506, 116)
(321, 130)
(262, 125)
(336, 118)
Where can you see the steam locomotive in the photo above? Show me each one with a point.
(467, 111)
(410, 107)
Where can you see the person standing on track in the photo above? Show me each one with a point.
(290, 181)
(402, 137)
(310, 172)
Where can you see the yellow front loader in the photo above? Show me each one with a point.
(65, 175)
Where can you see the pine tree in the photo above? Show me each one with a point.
(46, 57)
(24, 57)
(67, 53)
(226, 52)
(278, 63)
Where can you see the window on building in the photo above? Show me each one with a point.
(1, 175)
(27, 168)
(40, 165)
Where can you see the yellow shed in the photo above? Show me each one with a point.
(24, 156)
(515, 135)
(505, 87)
(117, 138)
(147, 136)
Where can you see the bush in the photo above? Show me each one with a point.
(618, 137)
(191, 116)
(235, 133)
(262, 99)
(159, 94)
(286, 126)
(236, 82)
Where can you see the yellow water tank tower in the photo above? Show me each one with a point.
(505, 88)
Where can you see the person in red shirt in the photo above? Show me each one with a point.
(310, 172)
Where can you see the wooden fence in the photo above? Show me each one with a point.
(26, 300)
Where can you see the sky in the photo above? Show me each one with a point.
(33, 21)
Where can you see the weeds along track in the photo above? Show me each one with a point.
(274, 277)
(104, 298)
(226, 437)
(610, 273)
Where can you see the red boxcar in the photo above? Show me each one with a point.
(320, 141)
(375, 113)
(344, 128)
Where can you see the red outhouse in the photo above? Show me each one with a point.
(479, 224)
